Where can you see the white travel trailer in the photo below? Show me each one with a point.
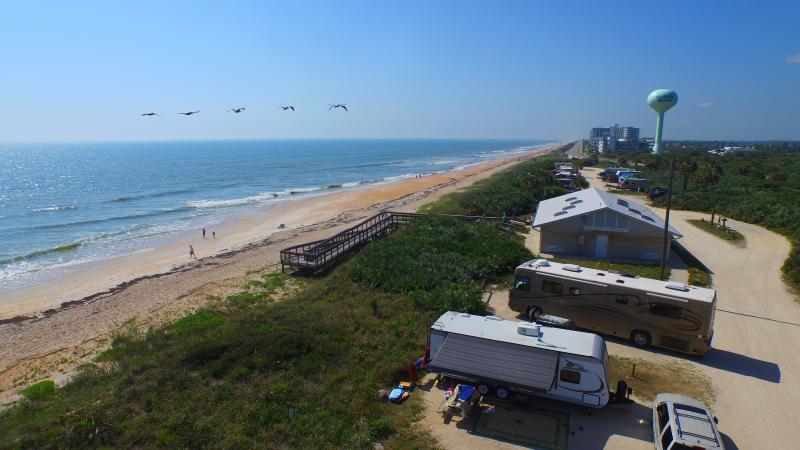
(505, 356)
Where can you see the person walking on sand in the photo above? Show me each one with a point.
(204, 233)
(214, 234)
(191, 252)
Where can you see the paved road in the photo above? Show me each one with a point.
(755, 362)
(575, 150)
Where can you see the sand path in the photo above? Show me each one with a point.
(754, 365)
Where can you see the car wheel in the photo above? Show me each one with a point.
(483, 389)
(533, 313)
(502, 393)
(641, 338)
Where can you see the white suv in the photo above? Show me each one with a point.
(683, 423)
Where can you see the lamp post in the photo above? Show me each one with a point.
(665, 247)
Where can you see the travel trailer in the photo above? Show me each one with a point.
(504, 356)
(646, 311)
(635, 184)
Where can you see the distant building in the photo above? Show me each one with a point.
(732, 150)
(614, 138)
(598, 224)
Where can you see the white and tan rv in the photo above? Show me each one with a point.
(504, 356)
(646, 311)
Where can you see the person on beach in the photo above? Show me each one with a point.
(214, 234)
(204, 233)
(191, 252)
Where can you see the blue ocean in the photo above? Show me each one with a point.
(65, 206)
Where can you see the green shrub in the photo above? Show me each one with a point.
(201, 319)
(40, 391)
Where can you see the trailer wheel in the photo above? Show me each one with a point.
(533, 313)
(483, 389)
(502, 393)
(641, 338)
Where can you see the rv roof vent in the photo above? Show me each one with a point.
(648, 218)
(492, 318)
(569, 199)
(575, 202)
(559, 213)
(622, 202)
(621, 281)
(634, 211)
(529, 329)
(676, 285)
(539, 263)
(601, 274)
(571, 267)
(568, 207)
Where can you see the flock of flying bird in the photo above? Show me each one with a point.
(238, 110)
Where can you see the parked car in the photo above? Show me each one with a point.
(633, 184)
(683, 423)
(657, 192)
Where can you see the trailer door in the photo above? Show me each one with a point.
(515, 364)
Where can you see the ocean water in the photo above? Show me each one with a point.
(66, 206)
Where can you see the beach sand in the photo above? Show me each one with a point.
(47, 330)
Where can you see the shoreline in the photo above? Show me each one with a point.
(240, 234)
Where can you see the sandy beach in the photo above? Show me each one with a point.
(47, 330)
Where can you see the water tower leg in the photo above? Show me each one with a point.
(657, 150)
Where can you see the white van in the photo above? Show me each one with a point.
(504, 356)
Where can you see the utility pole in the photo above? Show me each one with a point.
(665, 248)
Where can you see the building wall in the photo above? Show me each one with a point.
(640, 243)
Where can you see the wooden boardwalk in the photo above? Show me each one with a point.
(319, 256)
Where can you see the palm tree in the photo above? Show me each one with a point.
(705, 175)
(687, 168)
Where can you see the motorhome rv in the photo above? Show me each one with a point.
(647, 311)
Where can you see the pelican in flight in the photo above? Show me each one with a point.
(287, 107)
(149, 114)
(338, 105)
(189, 113)
(237, 110)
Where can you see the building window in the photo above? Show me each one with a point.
(622, 299)
(670, 312)
(522, 283)
(551, 287)
(574, 291)
(570, 376)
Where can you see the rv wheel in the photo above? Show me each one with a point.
(641, 338)
(483, 389)
(533, 313)
(502, 393)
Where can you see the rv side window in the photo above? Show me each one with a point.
(551, 287)
(663, 416)
(622, 299)
(570, 376)
(670, 312)
(666, 439)
(522, 283)
(574, 291)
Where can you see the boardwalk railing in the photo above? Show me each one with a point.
(318, 256)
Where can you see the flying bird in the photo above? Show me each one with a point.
(237, 110)
(287, 107)
(189, 113)
(339, 105)
(149, 114)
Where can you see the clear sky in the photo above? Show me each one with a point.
(85, 70)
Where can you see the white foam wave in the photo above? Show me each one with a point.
(264, 197)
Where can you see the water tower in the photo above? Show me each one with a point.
(661, 100)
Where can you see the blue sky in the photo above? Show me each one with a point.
(86, 70)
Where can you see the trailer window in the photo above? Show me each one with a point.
(622, 299)
(551, 287)
(574, 291)
(663, 415)
(666, 439)
(570, 376)
(670, 312)
(522, 283)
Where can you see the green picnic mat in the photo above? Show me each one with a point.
(527, 426)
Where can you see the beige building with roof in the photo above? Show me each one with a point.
(597, 224)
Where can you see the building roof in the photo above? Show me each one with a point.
(497, 329)
(589, 200)
(657, 288)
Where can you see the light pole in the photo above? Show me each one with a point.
(661, 100)
(665, 247)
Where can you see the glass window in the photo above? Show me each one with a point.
(574, 291)
(622, 299)
(670, 312)
(570, 376)
(522, 283)
(663, 415)
(551, 287)
(666, 439)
